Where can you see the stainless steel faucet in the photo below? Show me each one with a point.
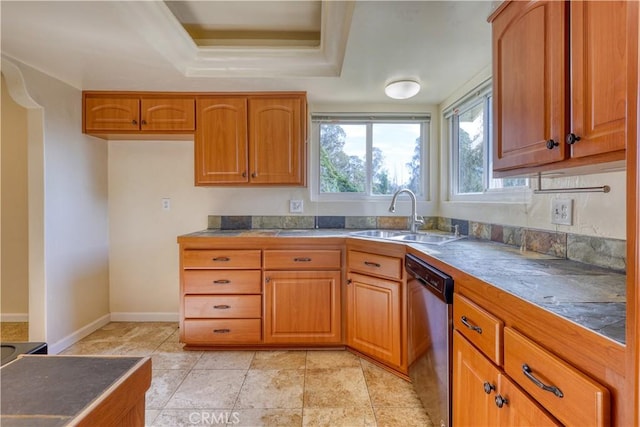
(414, 221)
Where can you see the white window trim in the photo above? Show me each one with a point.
(498, 195)
(314, 157)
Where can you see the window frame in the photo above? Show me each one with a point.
(368, 119)
(483, 93)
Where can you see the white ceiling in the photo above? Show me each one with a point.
(101, 45)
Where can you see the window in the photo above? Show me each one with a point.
(365, 156)
(469, 124)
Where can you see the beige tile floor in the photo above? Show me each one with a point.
(14, 331)
(257, 388)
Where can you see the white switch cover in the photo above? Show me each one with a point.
(296, 206)
(166, 204)
(562, 211)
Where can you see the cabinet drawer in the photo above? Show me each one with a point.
(301, 259)
(222, 282)
(223, 306)
(479, 326)
(584, 402)
(221, 259)
(222, 331)
(378, 265)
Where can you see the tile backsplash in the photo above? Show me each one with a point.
(600, 251)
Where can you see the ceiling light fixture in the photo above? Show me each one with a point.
(402, 89)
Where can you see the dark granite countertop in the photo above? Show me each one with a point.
(56, 390)
(590, 296)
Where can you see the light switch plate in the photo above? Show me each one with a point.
(296, 206)
(562, 211)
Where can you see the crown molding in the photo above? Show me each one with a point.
(160, 28)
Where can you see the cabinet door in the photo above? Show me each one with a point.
(518, 409)
(221, 141)
(302, 307)
(598, 76)
(374, 317)
(529, 90)
(475, 382)
(168, 114)
(111, 114)
(276, 140)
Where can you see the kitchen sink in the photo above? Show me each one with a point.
(380, 234)
(407, 236)
(431, 239)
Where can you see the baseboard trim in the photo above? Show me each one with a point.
(144, 317)
(76, 336)
(14, 317)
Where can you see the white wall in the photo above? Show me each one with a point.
(14, 283)
(74, 205)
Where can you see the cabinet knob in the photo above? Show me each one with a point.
(143, 122)
(254, 175)
(488, 387)
(572, 138)
(501, 401)
(349, 281)
(244, 174)
(134, 122)
(551, 144)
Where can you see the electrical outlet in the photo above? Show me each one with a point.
(562, 211)
(166, 204)
(296, 206)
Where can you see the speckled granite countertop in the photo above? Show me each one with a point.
(590, 296)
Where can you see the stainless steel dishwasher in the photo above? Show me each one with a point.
(430, 317)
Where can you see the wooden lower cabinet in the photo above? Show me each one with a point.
(484, 396)
(221, 296)
(503, 378)
(222, 331)
(302, 307)
(374, 318)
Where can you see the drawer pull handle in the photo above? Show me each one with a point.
(371, 264)
(466, 323)
(221, 259)
(501, 401)
(526, 370)
(221, 307)
(222, 282)
(302, 259)
(221, 331)
(488, 387)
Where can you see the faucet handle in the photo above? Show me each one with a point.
(456, 230)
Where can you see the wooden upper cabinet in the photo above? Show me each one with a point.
(167, 114)
(221, 141)
(126, 113)
(560, 83)
(276, 140)
(529, 91)
(111, 114)
(598, 77)
(251, 140)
